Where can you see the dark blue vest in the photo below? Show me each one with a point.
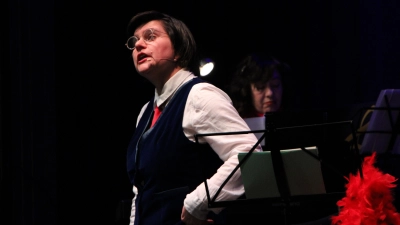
(164, 164)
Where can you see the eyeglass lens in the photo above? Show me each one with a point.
(148, 36)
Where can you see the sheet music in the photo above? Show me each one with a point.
(302, 170)
(257, 123)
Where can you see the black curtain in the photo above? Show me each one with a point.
(69, 97)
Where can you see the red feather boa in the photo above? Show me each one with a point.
(368, 200)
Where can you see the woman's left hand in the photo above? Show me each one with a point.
(188, 219)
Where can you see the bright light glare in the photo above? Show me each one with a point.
(206, 68)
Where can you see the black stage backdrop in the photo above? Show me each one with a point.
(70, 95)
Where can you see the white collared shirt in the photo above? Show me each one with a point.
(209, 110)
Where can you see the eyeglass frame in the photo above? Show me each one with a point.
(153, 31)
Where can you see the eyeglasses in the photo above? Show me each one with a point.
(148, 36)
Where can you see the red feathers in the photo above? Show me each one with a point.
(368, 200)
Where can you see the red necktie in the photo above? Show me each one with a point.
(157, 113)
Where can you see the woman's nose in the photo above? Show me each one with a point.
(140, 44)
(268, 91)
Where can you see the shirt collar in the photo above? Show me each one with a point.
(171, 86)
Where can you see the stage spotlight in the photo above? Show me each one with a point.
(206, 66)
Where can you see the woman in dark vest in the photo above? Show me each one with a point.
(166, 163)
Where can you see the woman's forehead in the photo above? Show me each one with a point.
(155, 24)
(276, 75)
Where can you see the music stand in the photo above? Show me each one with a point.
(382, 134)
(286, 202)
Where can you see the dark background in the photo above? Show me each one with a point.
(70, 94)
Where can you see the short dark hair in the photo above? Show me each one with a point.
(181, 37)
